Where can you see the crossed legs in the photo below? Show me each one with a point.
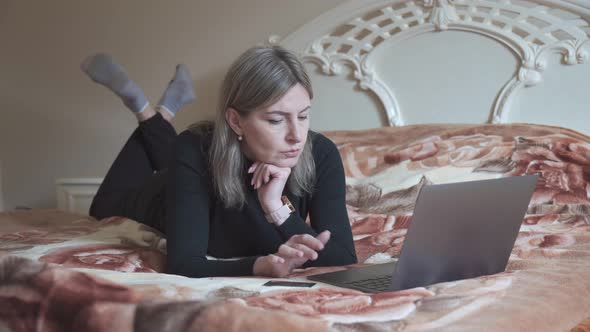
(132, 179)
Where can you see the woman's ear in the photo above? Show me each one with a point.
(234, 120)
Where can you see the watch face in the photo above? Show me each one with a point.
(291, 208)
(287, 202)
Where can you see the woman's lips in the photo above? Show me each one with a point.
(292, 153)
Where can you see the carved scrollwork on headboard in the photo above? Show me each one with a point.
(442, 14)
(532, 30)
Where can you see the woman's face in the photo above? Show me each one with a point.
(275, 135)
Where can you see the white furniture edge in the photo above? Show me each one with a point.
(407, 19)
(71, 192)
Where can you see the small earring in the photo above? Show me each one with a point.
(240, 138)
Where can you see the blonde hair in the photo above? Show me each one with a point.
(257, 79)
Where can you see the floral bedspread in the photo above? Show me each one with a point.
(61, 271)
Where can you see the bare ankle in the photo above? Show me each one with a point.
(166, 115)
(146, 114)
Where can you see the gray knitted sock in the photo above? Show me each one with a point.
(103, 69)
(179, 92)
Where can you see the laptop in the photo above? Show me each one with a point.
(458, 231)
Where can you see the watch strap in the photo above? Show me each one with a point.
(281, 214)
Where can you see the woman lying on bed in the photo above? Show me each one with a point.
(242, 186)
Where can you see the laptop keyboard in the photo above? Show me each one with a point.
(380, 283)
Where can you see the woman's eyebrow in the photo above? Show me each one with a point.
(287, 113)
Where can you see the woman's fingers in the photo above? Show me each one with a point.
(278, 172)
(324, 236)
(290, 252)
(266, 175)
(253, 169)
(262, 175)
(308, 241)
(290, 256)
(297, 250)
(257, 176)
(275, 259)
(307, 251)
(276, 266)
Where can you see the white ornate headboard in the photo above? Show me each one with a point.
(397, 62)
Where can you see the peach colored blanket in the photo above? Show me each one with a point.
(61, 271)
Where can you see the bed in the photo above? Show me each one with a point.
(411, 92)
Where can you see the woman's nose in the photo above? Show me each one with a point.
(294, 134)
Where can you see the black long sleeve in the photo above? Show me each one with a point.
(198, 225)
(187, 209)
(327, 210)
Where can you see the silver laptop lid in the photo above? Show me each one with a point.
(462, 230)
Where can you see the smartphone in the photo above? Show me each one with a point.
(289, 283)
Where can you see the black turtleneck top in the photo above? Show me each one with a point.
(198, 225)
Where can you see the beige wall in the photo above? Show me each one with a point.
(55, 123)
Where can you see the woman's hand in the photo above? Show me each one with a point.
(270, 181)
(291, 255)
